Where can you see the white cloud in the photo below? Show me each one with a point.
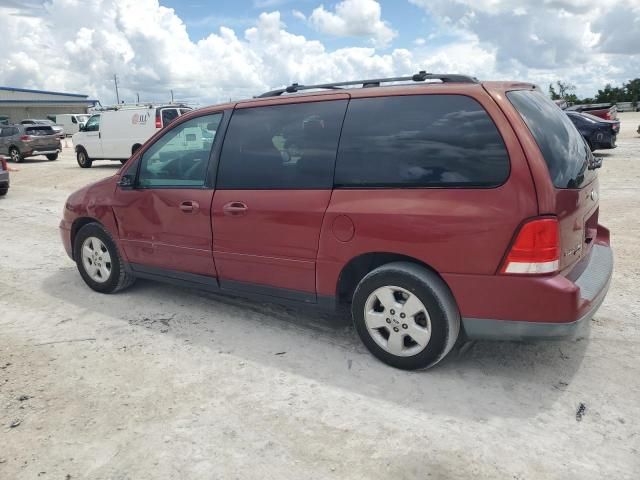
(299, 15)
(419, 41)
(354, 18)
(544, 40)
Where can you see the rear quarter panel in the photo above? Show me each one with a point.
(451, 230)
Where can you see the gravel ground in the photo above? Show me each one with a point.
(163, 382)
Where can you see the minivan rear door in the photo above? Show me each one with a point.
(571, 168)
(274, 183)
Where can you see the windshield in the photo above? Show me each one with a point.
(564, 150)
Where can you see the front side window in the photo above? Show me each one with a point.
(289, 146)
(180, 157)
(420, 141)
(93, 125)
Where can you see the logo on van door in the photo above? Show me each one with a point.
(139, 118)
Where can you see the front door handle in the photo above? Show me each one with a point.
(189, 206)
(235, 208)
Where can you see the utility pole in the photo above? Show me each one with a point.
(138, 97)
(171, 96)
(115, 82)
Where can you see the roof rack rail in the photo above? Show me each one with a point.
(374, 82)
(125, 106)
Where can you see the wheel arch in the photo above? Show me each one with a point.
(359, 266)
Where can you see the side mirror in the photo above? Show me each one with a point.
(126, 182)
(81, 127)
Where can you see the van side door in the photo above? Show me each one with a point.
(275, 179)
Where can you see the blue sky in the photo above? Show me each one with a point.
(155, 46)
(203, 17)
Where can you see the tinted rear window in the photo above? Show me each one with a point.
(563, 148)
(282, 146)
(420, 141)
(39, 130)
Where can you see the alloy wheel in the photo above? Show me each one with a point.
(397, 320)
(96, 259)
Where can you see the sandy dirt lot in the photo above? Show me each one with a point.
(163, 382)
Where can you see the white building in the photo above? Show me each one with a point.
(17, 104)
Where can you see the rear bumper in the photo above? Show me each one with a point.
(4, 179)
(44, 151)
(543, 308)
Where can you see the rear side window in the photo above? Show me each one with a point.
(563, 148)
(39, 130)
(420, 141)
(282, 147)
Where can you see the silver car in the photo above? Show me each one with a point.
(4, 176)
(23, 141)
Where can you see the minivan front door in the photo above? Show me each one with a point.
(274, 185)
(164, 219)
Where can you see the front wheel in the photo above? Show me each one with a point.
(15, 155)
(99, 261)
(406, 315)
(83, 159)
(52, 156)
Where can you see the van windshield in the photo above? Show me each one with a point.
(563, 148)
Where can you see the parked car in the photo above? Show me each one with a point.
(4, 176)
(606, 111)
(599, 134)
(59, 131)
(71, 122)
(472, 209)
(116, 133)
(24, 141)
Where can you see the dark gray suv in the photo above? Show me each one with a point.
(22, 141)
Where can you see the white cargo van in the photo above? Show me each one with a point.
(71, 122)
(115, 133)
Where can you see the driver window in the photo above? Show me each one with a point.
(93, 125)
(181, 156)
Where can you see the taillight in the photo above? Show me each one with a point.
(3, 163)
(26, 138)
(536, 248)
(158, 119)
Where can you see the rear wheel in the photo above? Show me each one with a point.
(52, 156)
(3, 191)
(123, 162)
(405, 315)
(15, 155)
(83, 159)
(99, 261)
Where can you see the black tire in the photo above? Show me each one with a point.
(3, 191)
(437, 299)
(123, 161)
(52, 156)
(119, 278)
(15, 155)
(83, 159)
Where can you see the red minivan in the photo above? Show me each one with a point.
(435, 206)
